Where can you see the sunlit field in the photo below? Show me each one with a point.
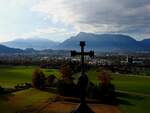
(136, 93)
(11, 76)
(135, 96)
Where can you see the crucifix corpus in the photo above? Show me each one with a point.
(83, 80)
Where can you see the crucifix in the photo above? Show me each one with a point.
(83, 80)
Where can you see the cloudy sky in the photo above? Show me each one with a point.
(59, 19)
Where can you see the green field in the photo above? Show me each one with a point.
(131, 83)
(10, 76)
(135, 99)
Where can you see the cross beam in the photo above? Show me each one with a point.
(74, 53)
(83, 80)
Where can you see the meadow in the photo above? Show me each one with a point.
(134, 96)
(10, 76)
(135, 91)
(25, 99)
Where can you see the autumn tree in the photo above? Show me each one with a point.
(104, 77)
(66, 84)
(66, 72)
(107, 89)
(38, 78)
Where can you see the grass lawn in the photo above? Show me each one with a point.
(10, 76)
(135, 100)
(22, 100)
(139, 84)
(131, 103)
(137, 88)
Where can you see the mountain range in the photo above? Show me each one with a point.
(106, 43)
(96, 42)
(35, 42)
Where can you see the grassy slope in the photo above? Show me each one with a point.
(135, 104)
(22, 100)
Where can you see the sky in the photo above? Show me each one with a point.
(58, 20)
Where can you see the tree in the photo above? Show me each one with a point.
(38, 78)
(51, 81)
(1, 90)
(107, 90)
(66, 85)
(66, 72)
(104, 77)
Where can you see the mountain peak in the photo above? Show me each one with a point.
(103, 42)
(82, 34)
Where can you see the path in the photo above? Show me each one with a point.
(67, 107)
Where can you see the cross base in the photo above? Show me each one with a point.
(83, 108)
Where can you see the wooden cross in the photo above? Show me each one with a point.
(83, 80)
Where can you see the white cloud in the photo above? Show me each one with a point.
(122, 16)
(68, 17)
(44, 31)
(7, 37)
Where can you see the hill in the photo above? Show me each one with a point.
(4, 49)
(36, 43)
(145, 44)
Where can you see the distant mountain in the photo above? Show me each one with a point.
(35, 43)
(145, 44)
(96, 42)
(4, 49)
(105, 43)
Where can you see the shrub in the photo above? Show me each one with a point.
(147, 73)
(38, 78)
(106, 90)
(1, 90)
(104, 77)
(51, 81)
(66, 88)
(66, 85)
(66, 72)
(91, 90)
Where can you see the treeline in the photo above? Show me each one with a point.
(68, 85)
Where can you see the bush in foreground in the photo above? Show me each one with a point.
(105, 91)
(66, 85)
(38, 79)
(51, 81)
(1, 90)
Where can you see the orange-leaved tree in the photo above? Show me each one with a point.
(104, 77)
(66, 72)
(38, 78)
